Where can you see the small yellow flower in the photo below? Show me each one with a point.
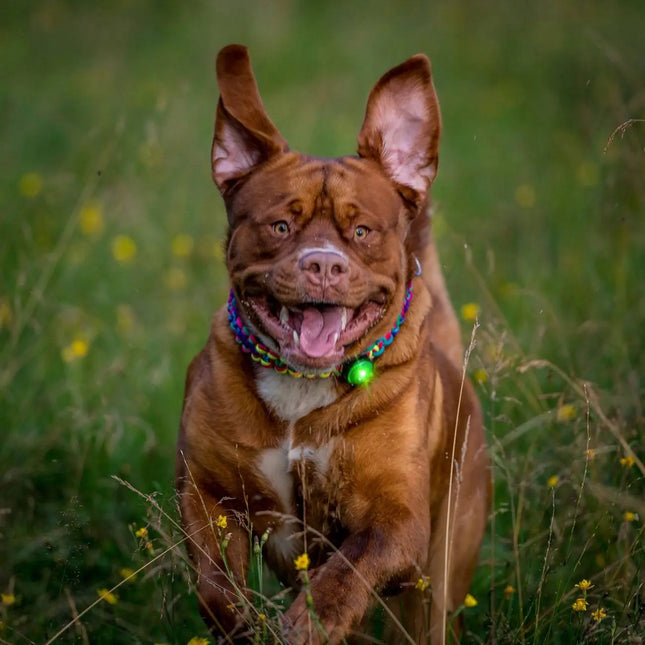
(590, 453)
(124, 249)
(218, 251)
(525, 196)
(470, 601)
(262, 617)
(222, 522)
(128, 574)
(149, 547)
(91, 219)
(182, 245)
(480, 376)
(176, 279)
(599, 614)
(566, 412)
(422, 583)
(198, 640)
(509, 289)
(579, 605)
(552, 481)
(125, 320)
(588, 173)
(30, 185)
(77, 349)
(629, 516)
(470, 311)
(509, 590)
(627, 462)
(302, 562)
(108, 596)
(8, 599)
(142, 533)
(6, 314)
(584, 585)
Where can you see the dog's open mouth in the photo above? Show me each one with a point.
(311, 333)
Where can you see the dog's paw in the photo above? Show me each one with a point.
(301, 624)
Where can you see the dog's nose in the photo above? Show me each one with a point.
(324, 267)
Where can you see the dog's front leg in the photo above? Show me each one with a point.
(339, 591)
(218, 546)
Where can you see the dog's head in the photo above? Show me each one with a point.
(318, 250)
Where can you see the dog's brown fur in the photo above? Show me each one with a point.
(381, 484)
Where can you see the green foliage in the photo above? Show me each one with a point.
(111, 266)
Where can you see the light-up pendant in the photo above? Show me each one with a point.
(360, 372)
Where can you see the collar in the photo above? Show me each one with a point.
(357, 371)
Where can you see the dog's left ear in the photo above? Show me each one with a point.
(244, 136)
(402, 127)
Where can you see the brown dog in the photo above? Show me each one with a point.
(328, 405)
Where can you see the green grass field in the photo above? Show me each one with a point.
(111, 266)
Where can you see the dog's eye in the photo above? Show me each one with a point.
(360, 232)
(280, 228)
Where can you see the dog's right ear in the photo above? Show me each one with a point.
(244, 134)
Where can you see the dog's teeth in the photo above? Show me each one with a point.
(343, 319)
(296, 338)
(284, 315)
(336, 337)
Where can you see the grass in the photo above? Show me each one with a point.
(111, 267)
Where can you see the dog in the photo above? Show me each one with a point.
(328, 409)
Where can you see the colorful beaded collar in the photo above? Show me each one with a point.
(358, 371)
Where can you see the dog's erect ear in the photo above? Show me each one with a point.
(402, 127)
(244, 134)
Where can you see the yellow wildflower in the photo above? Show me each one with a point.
(509, 590)
(552, 481)
(182, 245)
(128, 574)
(30, 185)
(599, 614)
(176, 279)
(302, 562)
(124, 249)
(91, 219)
(218, 250)
(588, 173)
(584, 585)
(222, 522)
(480, 376)
(566, 412)
(470, 311)
(470, 601)
(8, 599)
(125, 319)
(198, 640)
(142, 533)
(579, 605)
(108, 596)
(262, 617)
(590, 453)
(78, 348)
(525, 196)
(629, 516)
(627, 462)
(422, 583)
(6, 315)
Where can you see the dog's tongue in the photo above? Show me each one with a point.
(320, 330)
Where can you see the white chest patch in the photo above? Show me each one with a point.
(291, 398)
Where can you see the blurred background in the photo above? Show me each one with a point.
(111, 266)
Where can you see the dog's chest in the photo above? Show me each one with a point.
(291, 398)
(301, 474)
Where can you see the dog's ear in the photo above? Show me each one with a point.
(244, 134)
(402, 127)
